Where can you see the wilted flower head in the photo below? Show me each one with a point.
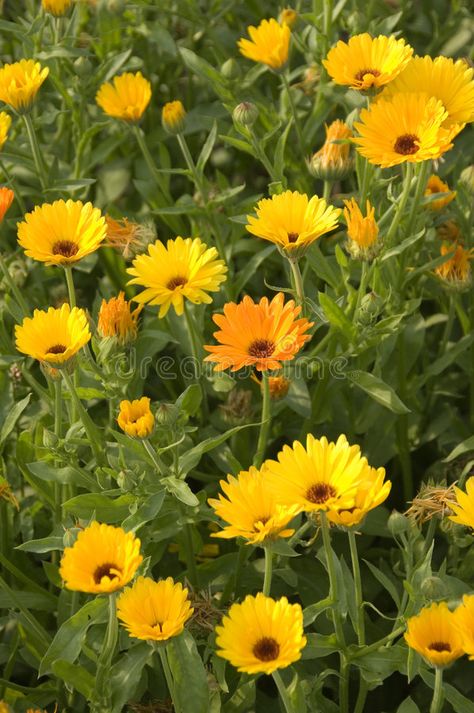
(332, 162)
(237, 408)
(449, 231)
(456, 271)
(173, 117)
(269, 43)
(128, 237)
(432, 500)
(117, 320)
(20, 82)
(436, 185)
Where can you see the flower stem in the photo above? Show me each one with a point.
(70, 285)
(168, 677)
(58, 406)
(282, 692)
(36, 151)
(160, 466)
(196, 348)
(102, 692)
(401, 205)
(265, 423)
(267, 580)
(14, 288)
(437, 702)
(299, 134)
(89, 426)
(327, 190)
(189, 550)
(358, 588)
(419, 193)
(299, 288)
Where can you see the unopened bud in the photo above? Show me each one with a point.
(173, 117)
(245, 113)
(433, 588)
(167, 414)
(230, 69)
(397, 523)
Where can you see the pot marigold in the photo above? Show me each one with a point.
(250, 509)
(261, 334)
(456, 271)
(371, 492)
(465, 623)
(362, 231)
(292, 221)
(126, 97)
(463, 509)
(54, 336)
(135, 418)
(6, 199)
(434, 634)
(321, 476)
(261, 634)
(20, 82)
(183, 269)
(173, 117)
(436, 185)
(117, 321)
(102, 560)
(5, 123)
(269, 43)
(366, 62)
(154, 611)
(451, 81)
(61, 233)
(408, 127)
(332, 162)
(56, 7)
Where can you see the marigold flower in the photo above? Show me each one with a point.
(434, 634)
(288, 16)
(56, 7)
(366, 62)
(436, 185)
(135, 418)
(5, 123)
(464, 619)
(126, 97)
(321, 476)
(117, 320)
(154, 611)
(371, 492)
(6, 199)
(20, 82)
(4, 707)
(128, 237)
(448, 80)
(269, 43)
(261, 634)
(102, 560)
(251, 510)
(184, 268)
(261, 334)
(362, 231)
(173, 117)
(54, 336)
(456, 272)
(449, 231)
(332, 162)
(61, 233)
(8, 495)
(407, 127)
(278, 387)
(292, 221)
(463, 508)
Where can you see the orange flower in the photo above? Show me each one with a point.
(259, 334)
(6, 199)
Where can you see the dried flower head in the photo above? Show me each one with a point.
(431, 500)
(128, 237)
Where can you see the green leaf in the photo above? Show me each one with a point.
(191, 458)
(180, 490)
(189, 674)
(146, 511)
(408, 706)
(66, 475)
(45, 544)
(239, 144)
(207, 149)
(319, 645)
(464, 447)
(298, 398)
(460, 703)
(385, 581)
(336, 316)
(321, 265)
(75, 676)
(401, 247)
(451, 354)
(106, 509)
(279, 158)
(378, 390)
(251, 267)
(202, 68)
(126, 674)
(12, 417)
(190, 400)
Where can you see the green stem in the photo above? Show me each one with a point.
(295, 269)
(267, 580)
(102, 692)
(401, 205)
(362, 286)
(229, 589)
(327, 21)
(89, 426)
(401, 427)
(14, 288)
(58, 409)
(197, 354)
(70, 286)
(419, 193)
(358, 588)
(295, 117)
(160, 466)
(437, 702)
(327, 190)
(285, 699)
(378, 644)
(263, 158)
(189, 550)
(36, 151)
(157, 177)
(12, 183)
(168, 677)
(265, 423)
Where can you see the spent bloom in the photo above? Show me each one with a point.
(436, 185)
(126, 97)
(333, 162)
(128, 237)
(269, 43)
(56, 7)
(5, 123)
(449, 231)
(6, 199)
(362, 231)
(173, 117)
(116, 319)
(456, 271)
(434, 634)
(135, 418)
(20, 82)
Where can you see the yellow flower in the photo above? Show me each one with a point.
(464, 615)
(367, 62)
(4, 707)
(464, 507)
(292, 221)
(6, 199)
(135, 418)
(126, 97)
(5, 123)
(362, 231)
(268, 44)
(103, 559)
(321, 476)
(451, 81)
(54, 336)
(456, 272)
(370, 493)
(434, 634)
(251, 510)
(20, 82)
(173, 117)
(332, 162)
(116, 319)
(184, 268)
(128, 237)
(408, 127)
(261, 635)
(56, 7)
(288, 16)
(62, 232)
(154, 611)
(261, 334)
(436, 185)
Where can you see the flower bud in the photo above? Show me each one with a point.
(433, 588)
(230, 69)
(397, 523)
(245, 113)
(167, 414)
(173, 117)
(126, 481)
(82, 67)
(288, 17)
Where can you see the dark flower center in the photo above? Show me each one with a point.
(105, 570)
(266, 649)
(407, 144)
(293, 237)
(320, 492)
(261, 348)
(260, 521)
(439, 646)
(66, 248)
(361, 73)
(57, 349)
(176, 282)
